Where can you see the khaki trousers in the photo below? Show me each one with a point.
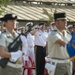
(63, 69)
(10, 71)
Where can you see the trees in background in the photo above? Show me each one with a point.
(3, 5)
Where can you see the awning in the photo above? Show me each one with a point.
(35, 12)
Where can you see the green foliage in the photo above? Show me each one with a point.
(55, 11)
(68, 20)
(3, 5)
(5, 2)
(2, 9)
(50, 16)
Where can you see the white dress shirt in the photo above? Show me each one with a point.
(40, 38)
(25, 44)
(30, 40)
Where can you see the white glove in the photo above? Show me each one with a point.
(16, 55)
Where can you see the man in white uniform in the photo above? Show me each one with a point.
(40, 53)
(30, 40)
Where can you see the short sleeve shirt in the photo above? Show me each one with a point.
(6, 38)
(55, 50)
(41, 38)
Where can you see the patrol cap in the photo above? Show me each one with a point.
(35, 27)
(59, 16)
(41, 23)
(29, 24)
(8, 17)
(69, 26)
(52, 23)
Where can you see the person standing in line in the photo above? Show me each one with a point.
(70, 28)
(57, 41)
(40, 52)
(24, 52)
(53, 27)
(73, 37)
(30, 40)
(30, 52)
(28, 24)
(14, 65)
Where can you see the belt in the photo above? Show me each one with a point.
(14, 65)
(31, 46)
(40, 46)
(60, 58)
(57, 61)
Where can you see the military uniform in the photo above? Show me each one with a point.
(5, 39)
(40, 43)
(59, 53)
(30, 40)
(24, 51)
(73, 38)
(24, 44)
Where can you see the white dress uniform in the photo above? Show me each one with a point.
(40, 38)
(24, 50)
(30, 40)
(40, 53)
(24, 44)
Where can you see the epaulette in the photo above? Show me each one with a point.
(54, 30)
(2, 32)
(0, 35)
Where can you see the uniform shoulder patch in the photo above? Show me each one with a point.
(0, 35)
